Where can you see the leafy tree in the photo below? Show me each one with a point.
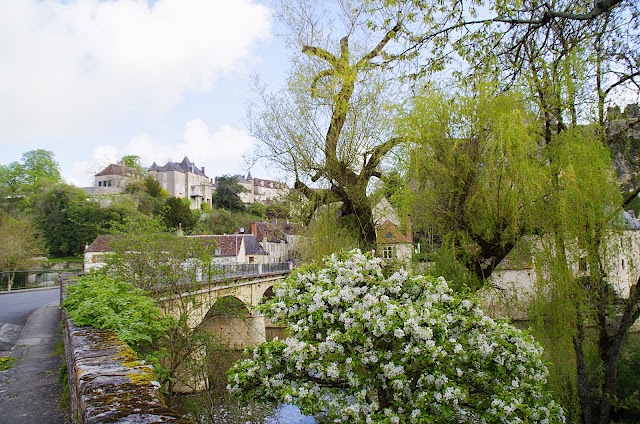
(488, 188)
(476, 175)
(133, 161)
(176, 212)
(149, 195)
(168, 268)
(364, 348)
(258, 209)
(19, 180)
(278, 210)
(328, 233)
(227, 194)
(18, 246)
(68, 221)
(329, 126)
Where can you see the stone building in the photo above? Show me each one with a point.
(259, 190)
(184, 180)
(113, 179)
(280, 240)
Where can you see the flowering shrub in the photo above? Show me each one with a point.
(398, 350)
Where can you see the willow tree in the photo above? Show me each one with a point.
(330, 127)
(475, 175)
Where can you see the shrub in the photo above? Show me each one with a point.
(365, 348)
(100, 301)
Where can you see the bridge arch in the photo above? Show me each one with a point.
(232, 324)
(271, 330)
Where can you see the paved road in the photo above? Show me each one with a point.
(30, 390)
(15, 309)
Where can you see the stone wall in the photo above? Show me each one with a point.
(107, 381)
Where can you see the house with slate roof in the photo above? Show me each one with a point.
(237, 249)
(280, 240)
(231, 249)
(184, 180)
(259, 190)
(113, 179)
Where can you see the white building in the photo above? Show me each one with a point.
(184, 180)
(259, 190)
(231, 250)
(513, 283)
(281, 241)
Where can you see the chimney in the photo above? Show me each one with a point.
(122, 164)
(202, 167)
(409, 233)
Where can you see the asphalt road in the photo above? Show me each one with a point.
(15, 309)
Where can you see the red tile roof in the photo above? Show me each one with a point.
(388, 233)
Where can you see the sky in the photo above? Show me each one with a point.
(94, 80)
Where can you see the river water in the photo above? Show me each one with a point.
(215, 406)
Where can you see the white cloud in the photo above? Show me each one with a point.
(82, 66)
(220, 152)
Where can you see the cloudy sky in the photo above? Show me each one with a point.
(95, 80)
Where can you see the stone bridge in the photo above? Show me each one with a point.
(225, 307)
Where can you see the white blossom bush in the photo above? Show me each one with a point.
(404, 349)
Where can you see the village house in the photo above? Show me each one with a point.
(184, 180)
(393, 244)
(232, 249)
(513, 283)
(110, 182)
(280, 240)
(259, 190)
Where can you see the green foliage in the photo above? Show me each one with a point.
(327, 234)
(68, 221)
(476, 174)
(154, 189)
(278, 210)
(227, 194)
(176, 212)
(577, 223)
(6, 362)
(21, 180)
(258, 209)
(102, 301)
(148, 194)
(18, 244)
(222, 221)
(133, 161)
(158, 261)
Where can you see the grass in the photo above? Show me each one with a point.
(67, 259)
(6, 362)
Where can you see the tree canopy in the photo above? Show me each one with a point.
(227, 194)
(19, 245)
(36, 170)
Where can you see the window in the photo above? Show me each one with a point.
(97, 259)
(582, 265)
(389, 252)
(99, 183)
